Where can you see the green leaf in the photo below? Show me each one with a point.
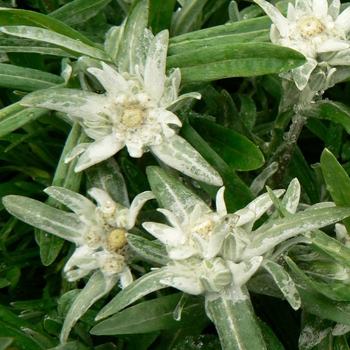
(234, 60)
(107, 176)
(172, 195)
(131, 51)
(188, 16)
(15, 116)
(37, 214)
(300, 168)
(95, 289)
(79, 11)
(332, 110)
(337, 181)
(336, 291)
(78, 48)
(235, 320)
(26, 79)
(277, 231)
(330, 247)
(151, 316)
(5, 342)
(150, 250)
(180, 155)
(144, 285)
(235, 149)
(314, 330)
(160, 14)
(13, 44)
(137, 180)
(284, 283)
(12, 326)
(237, 193)
(323, 307)
(16, 17)
(65, 176)
(251, 30)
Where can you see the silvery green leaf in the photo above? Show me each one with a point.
(285, 283)
(75, 102)
(150, 250)
(187, 16)
(292, 196)
(131, 52)
(26, 79)
(233, 245)
(107, 176)
(144, 285)
(14, 116)
(244, 270)
(64, 42)
(78, 11)
(113, 40)
(330, 246)
(74, 201)
(255, 209)
(154, 76)
(166, 234)
(235, 320)
(95, 289)
(172, 195)
(180, 155)
(60, 223)
(275, 232)
(259, 182)
(224, 226)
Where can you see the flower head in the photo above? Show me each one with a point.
(102, 243)
(316, 30)
(133, 112)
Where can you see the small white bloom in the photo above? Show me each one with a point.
(313, 28)
(133, 112)
(202, 259)
(102, 243)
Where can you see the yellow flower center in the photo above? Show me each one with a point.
(92, 239)
(116, 239)
(112, 266)
(132, 116)
(204, 227)
(310, 27)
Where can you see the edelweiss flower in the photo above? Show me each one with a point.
(316, 30)
(202, 260)
(102, 243)
(132, 112)
(97, 230)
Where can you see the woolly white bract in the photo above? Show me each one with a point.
(316, 30)
(102, 243)
(202, 258)
(132, 112)
(97, 230)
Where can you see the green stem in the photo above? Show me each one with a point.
(285, 151)
(234, 318)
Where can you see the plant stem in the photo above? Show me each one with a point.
(234, 318)
(285, 151)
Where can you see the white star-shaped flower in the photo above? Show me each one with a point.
(133, 112)
(195, 245)
(102, 243)
(316, 30)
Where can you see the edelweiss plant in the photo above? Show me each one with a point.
(133, 112)
(101, 101)
(99, 232)
(215, 254)
(317, 30)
